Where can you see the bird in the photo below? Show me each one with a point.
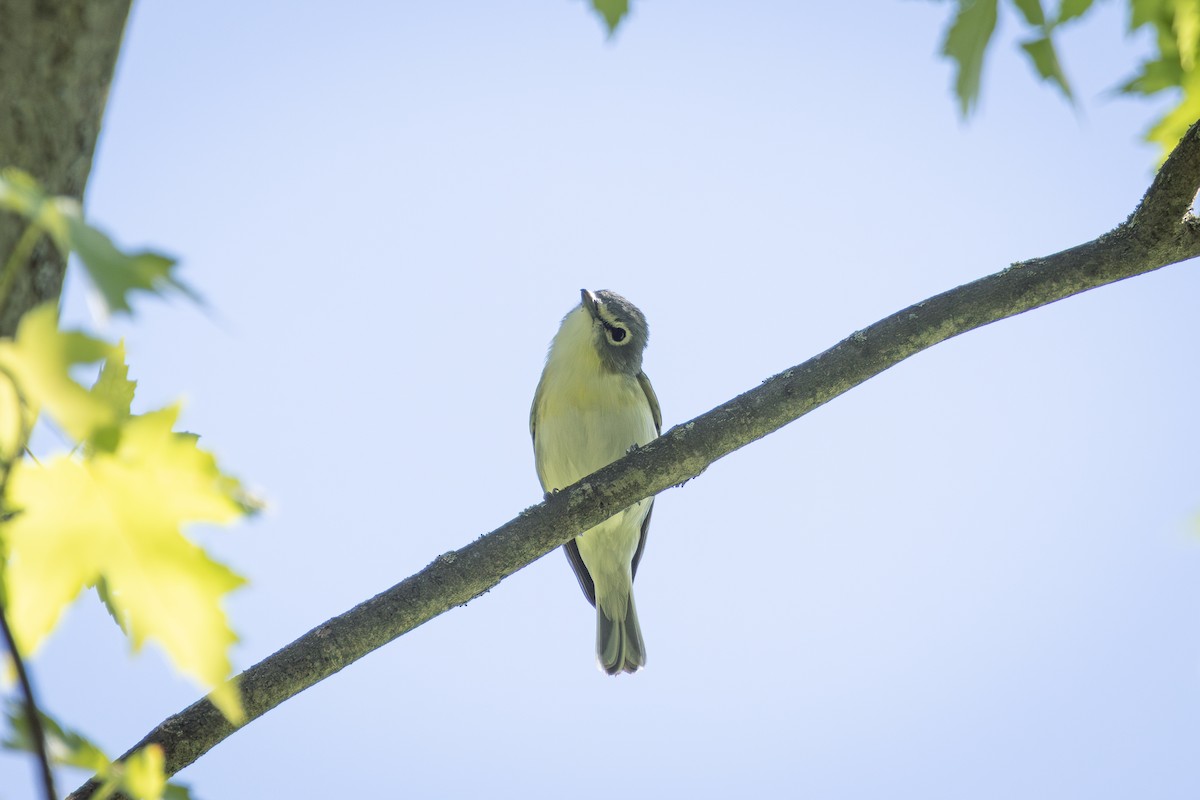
(594, 404)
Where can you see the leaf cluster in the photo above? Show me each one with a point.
(140, 775)
(109, 512)
(1175, 25)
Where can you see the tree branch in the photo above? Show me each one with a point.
(1159, 233)
(1169, 199)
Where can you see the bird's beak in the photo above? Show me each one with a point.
(590, 301)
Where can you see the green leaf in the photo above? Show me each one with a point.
(64, 746)
(1072, 9)
(1162, 73)
(1170, 129)
(1032, 11)
(1045, 61)
(1143, 12)
(40, 360)
(122, 526)
(966, 43)
(141, 776)
(612, 12)
(116, 274)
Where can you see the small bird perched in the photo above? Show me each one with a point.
(592, 405)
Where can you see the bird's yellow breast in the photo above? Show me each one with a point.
(585, 417)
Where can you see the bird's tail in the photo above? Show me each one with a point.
(619, 645)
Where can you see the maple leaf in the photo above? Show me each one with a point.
(114, 518)
(39, 361)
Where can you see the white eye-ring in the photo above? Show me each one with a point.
(617, 334)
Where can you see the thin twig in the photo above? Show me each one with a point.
(7, 463)
(32, 714)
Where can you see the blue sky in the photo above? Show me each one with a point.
(973, 576)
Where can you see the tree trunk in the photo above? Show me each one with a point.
(56, 64)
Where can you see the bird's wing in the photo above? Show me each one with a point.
(584, 577)
(637, 554)
(533, 412)
(653, 398)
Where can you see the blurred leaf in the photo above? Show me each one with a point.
(1170, 129)
(19, 192)
(966, 43)
(1142, 12)
(122, 525)
(1154, 77)
(141, 776)
(1187, 29)
(15, 419)
(143, 773)
(65, 746)
(612, 12)
(1072, 9)
(40, 359)
(116, 274)
(113, 388)
(22, 194)
(1045, 61)
(1032, 11)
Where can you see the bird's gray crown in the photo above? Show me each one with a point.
(619, 330)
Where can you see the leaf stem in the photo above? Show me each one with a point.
(20, 254)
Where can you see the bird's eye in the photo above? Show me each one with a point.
(617, 334)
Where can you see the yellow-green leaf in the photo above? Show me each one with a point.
(15, 419)
(116, 516)
(113, 388)
(40, 360)
(22, 194)
(143, 776)
(1187, 30)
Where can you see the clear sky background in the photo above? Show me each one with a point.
(973, 576)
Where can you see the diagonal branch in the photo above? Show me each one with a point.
(1159, 233)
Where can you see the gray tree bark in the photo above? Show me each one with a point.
(56, 66)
